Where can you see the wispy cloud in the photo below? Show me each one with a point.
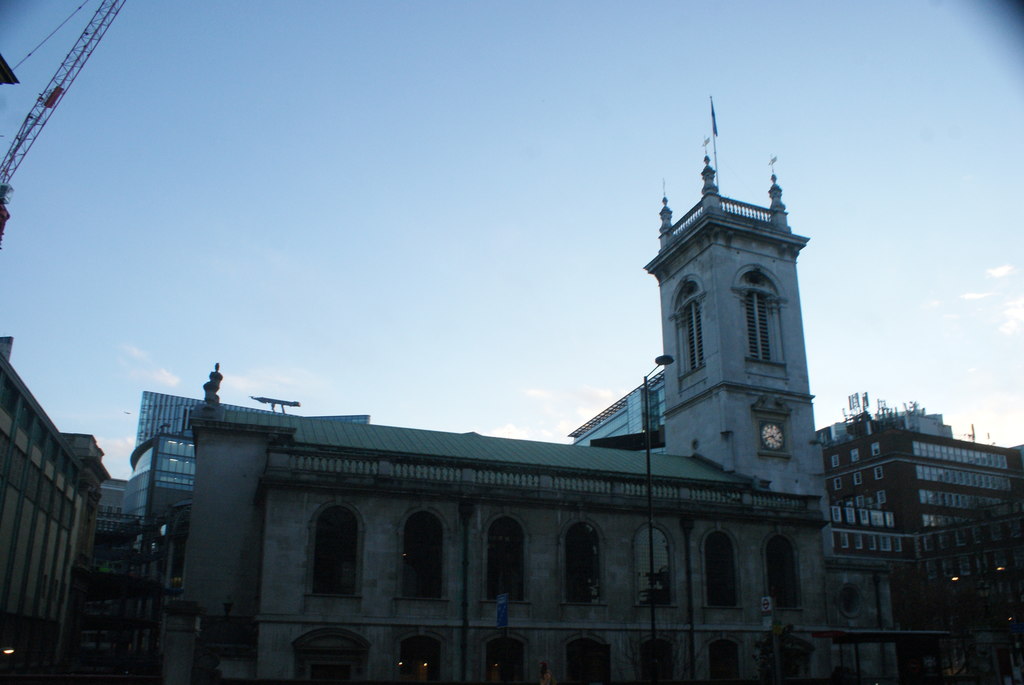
(510, 430)
(1013, 314)
(141, 367)
(1001, 271)
(159, 376)
(274, 382)
(975, 296)
(134, 352)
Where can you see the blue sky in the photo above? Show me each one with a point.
(438, 213)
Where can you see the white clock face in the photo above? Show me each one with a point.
(771, 436)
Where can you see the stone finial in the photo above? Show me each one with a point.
(709, 178)
(777, 208)
(775, 193)
(666, 216)
(212, 386)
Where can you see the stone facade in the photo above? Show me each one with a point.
(262, 489)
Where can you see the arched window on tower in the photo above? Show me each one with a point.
(505, 559)
(760, 303)
(719, 570)
(582, 572)
(421, 556)
(335, 552)
(780, 566)
(689, 321)
(662, 578)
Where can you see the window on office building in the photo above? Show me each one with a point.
(854, 455)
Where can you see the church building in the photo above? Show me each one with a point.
(348, 551)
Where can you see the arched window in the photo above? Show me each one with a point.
(421, 556)
(582, 572)
(419, 658)
(658, 654)
(780, 564)
(662, 579)
(331, 654)
(723, 660)
(689, 326)
(690, 323)
(587, 661)
(505, 559)
(719, 570)
(694, 335)
(335, 552)
(760, 304)
(504, 660)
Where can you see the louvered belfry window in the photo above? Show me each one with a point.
(758, 345)
(694, 336)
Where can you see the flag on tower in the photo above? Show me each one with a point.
(714, 122)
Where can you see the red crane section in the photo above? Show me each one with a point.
(51, 97)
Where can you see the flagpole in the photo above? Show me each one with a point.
(714, 141)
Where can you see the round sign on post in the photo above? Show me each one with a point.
(766, 605)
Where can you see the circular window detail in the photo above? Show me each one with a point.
(849, 600)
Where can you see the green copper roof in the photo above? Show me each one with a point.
(415, 441)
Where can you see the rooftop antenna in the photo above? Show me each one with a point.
(274, 403)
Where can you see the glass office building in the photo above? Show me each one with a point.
(163, 463)
(162, 473)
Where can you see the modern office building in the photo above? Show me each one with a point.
(948, 516)
(622, 423)
(163, 462)
(896, 475)
(49, 493)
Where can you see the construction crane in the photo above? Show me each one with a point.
(51, 97)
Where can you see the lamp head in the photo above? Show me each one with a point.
(664, 360)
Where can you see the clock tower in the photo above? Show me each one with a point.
(738, 393)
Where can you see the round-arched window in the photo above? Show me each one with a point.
(849, 600)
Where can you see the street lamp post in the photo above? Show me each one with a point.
(663, 360)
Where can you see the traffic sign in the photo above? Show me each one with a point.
(766, 605)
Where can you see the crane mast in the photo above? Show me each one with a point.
(51, 97)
